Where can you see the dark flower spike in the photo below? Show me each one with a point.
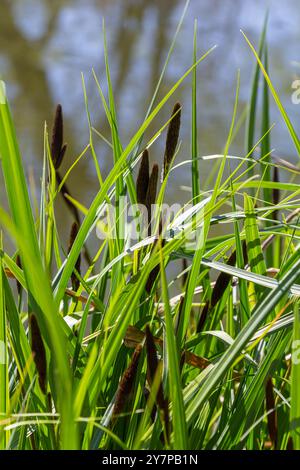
(155, 271)
(126, 383)
(203, 316)
(57, 148)
(172, 138)
(152, 368)
(185, 275)
(152, 361)
(153, 410)
(179, 314)
(73, 235)
(224, 279)
(152, 186)
(134, 336)
(221, 284)
(38, 351)
(142, 181)
(151, 194)
(272, 414)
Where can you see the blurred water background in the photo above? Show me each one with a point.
(46, 44)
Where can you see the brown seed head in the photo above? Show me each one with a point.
(126, 383)
(290, 444)
(172, 138)
(155, 271)
(222, 282)
(38, 351)
(152, 361)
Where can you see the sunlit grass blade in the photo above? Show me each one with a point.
(202, 235)
(295, 377)
(194, 136)
(250, 128)
(179, 422)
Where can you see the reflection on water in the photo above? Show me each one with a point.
(46, 44)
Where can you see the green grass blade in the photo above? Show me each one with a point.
(277, 100)
(295, 378)
(260, 312)
(179, 422)
(194, 149)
